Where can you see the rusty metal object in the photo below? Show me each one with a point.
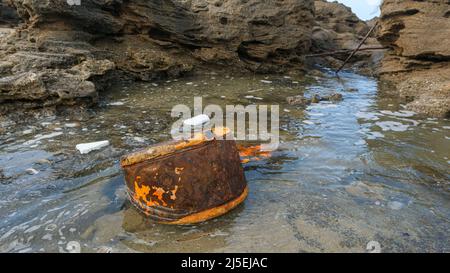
(186, 182)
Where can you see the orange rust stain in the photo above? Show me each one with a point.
(252, 153)
(140, 192)
(159, 192)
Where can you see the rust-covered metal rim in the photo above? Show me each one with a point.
(191, 219)
(172, 147)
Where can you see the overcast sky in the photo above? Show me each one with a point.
(365, 9)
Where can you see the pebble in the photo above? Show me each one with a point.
(395, 205)
(139, 139)
(31, 171)
(117, 103)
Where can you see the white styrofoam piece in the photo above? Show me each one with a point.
(197, 121)
(86, 148)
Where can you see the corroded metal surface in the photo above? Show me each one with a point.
(184, 182)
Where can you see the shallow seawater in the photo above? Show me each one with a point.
(347, 173)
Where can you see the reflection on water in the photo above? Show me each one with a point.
(346, 173)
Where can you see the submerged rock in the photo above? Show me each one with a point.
(334, 97)
(299, 100)
(316, 98)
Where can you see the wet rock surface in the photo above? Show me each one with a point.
(66, 54)
(418, 64)
(337, 28)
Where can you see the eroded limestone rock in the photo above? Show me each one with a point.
(418, 64)
(64, 52)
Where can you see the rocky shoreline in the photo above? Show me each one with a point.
(53, 54)
(418, 64)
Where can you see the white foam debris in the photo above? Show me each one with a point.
(253, 97)
(27, 132)
(401, 113)
(41, 137)
(196, 121)
(392, 126)
(308, 122)
(266, 81)
(189, 83)
(86, 148)
(116, 103)
(71, 125)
